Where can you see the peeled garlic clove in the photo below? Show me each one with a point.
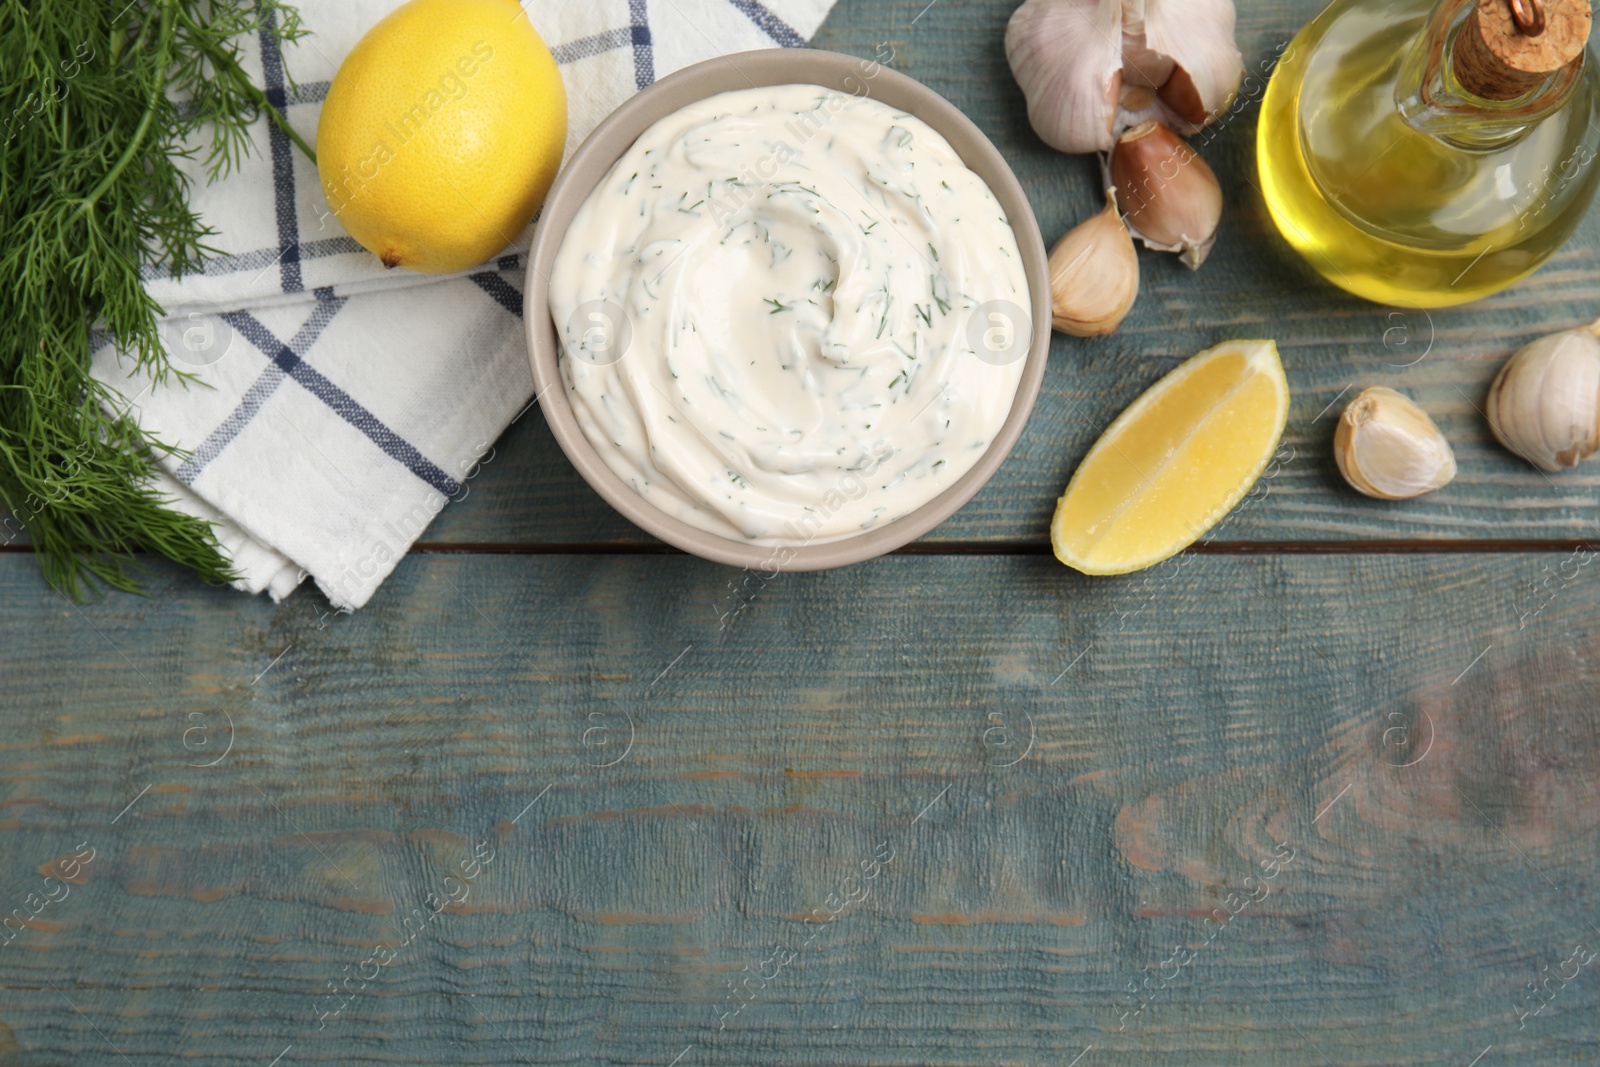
(1544, 404)
(1196, 36)
(1139, 104)
(1388, 448)
(1094, 275)
(1067, 57)
(1172, 200)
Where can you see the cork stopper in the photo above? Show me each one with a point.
(1507, 48)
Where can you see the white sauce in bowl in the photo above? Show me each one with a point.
(789, 315)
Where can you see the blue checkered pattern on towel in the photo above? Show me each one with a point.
(341, 405)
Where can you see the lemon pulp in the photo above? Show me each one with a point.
(1178, 460)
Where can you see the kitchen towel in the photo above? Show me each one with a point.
(338, 405)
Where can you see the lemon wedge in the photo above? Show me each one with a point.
(1175, 462)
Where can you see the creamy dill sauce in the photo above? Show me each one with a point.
(799, 283)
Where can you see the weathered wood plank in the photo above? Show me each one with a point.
(1333, 345)
(1252, 286)
(1070, 776)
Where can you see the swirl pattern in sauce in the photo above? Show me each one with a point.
(790, 315)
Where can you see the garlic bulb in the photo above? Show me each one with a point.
(1073, 57)
(1172, 198)
(1188, 44)
(1067, 57)
(1544, 404)
(1094, 275)
(1388, 448)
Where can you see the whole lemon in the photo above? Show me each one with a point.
(442, 132)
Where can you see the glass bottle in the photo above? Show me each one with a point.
(1426, 154)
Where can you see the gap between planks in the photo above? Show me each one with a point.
(1042, 548)
(1022, 548)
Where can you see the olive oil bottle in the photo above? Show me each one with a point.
(1425, 154)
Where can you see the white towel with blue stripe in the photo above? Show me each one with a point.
(341, 405)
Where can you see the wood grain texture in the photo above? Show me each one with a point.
(669, 767)
(1070, 775)
(1253, 285)
(1333, 345)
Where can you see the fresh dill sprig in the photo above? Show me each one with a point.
(98, 104)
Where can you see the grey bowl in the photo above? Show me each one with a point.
(743, 70)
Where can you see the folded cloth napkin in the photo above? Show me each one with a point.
(341, 405)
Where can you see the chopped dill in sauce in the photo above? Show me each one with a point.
(817, 266)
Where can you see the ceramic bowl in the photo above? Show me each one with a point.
(744, 70)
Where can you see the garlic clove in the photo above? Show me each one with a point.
(1387, 447)
(1172, 199)
(1066, 56)
(1198, 37)
(1139, 104)
(1142, 65)
(1544, 404)
(1138, 100)
(1094, 275)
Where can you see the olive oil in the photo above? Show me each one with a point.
(1387, 170)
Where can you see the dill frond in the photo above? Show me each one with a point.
(98, 101)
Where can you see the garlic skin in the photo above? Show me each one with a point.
(1067, 57)
(1073, 57)
(1196, 36)
(1172, 198)
(1094, 275)
(1388, 448)
(1544, 404)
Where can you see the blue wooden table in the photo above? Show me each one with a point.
(1324, 791)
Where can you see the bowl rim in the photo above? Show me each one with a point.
(756, 69)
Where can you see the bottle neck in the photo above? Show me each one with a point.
(1445, 92)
